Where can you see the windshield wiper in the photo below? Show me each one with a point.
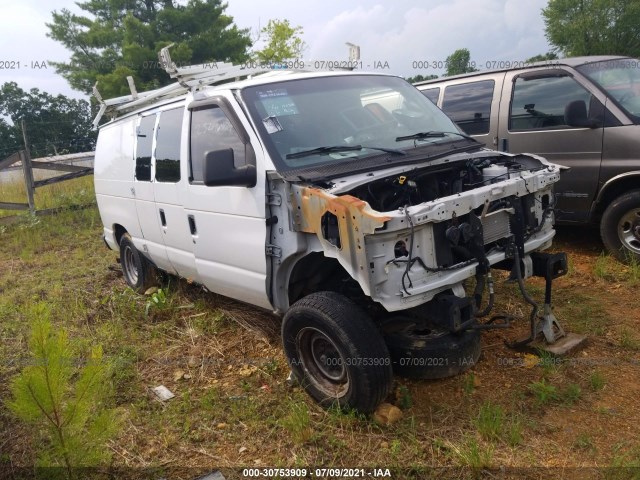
(340, 148)
(432, 134)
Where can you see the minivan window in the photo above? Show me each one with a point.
(168, 145)
(469, 105)
(432, 94)
(211, 130)
(539, 103)
(144, 144)
(620, 78)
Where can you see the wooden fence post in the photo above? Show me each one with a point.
(28, 170)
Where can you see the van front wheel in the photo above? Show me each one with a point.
(336, 352)
(620, 227)
(139, 273)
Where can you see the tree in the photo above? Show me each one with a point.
(542, 57)
(55, 124)
(420, 78)
(282, 42)
(593, 27)
(459, 62)
(67, 402)
(119, 38)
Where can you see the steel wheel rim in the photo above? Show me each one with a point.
(323, 363)
(629, 230)
(130, 265)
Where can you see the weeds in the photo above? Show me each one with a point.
(158, 302)
(543, 392)
(584, 442)
(490, 421)
(571, 394)
(472, 454)
(469, 384)
(405, 401)
(628, 341)
(597, 381)
(298, 423)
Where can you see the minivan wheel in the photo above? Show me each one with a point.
(336, 352)
(620, 227)
(430, 353)
(139, 273)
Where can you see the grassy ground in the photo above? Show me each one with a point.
(233, 406)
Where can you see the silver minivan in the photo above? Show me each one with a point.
(583, 113)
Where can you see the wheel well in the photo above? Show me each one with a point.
(118, 231)
(613, 191)
(316, 273)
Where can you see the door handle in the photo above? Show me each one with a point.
(504, 145)
(192, 225)
(163, 218)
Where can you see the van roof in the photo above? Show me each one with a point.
(176, 92)
(569, 62)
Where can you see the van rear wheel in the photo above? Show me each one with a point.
(139, 273)
(336, 352)
(620, 227)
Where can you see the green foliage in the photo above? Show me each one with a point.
(114, 39)
(421, 78)
(158, 301)
(67, 400)
(469, 383)
(55, 124)
(543, 392)
(298, 423)
(472, 454)
(593, 27)
(283, 42)
(404, 398)
(571, 394)
(459, 62)
(543, 57)
(490, 421)
(597, 381)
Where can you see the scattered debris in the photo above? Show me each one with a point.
(221, 425)
(163, 393)
(151, 290)
(386, 414)
(178, 375)
(242, 449)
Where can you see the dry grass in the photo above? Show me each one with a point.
(233, 406)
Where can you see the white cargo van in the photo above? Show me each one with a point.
(345, 202)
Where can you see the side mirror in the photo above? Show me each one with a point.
(575, 115)
(218, 170)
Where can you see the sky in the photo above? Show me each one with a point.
(400, 37)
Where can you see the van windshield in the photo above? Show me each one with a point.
(620, 79)
(323, 122)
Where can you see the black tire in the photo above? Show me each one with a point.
(139, 273)
(620, 227)
(430, 353)
(336, 352)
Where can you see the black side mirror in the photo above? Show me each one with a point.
(575, 115)
(219, 170)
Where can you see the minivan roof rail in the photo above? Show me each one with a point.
(188, 78)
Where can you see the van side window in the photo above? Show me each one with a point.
(168, 145)
(432, 94)
(211, 130)
(538, 103)
(143, 148)
(469, 105)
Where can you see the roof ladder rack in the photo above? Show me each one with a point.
(188, 78)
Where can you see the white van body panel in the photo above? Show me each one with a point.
(113, 177)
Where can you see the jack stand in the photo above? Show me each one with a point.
(556, 341)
